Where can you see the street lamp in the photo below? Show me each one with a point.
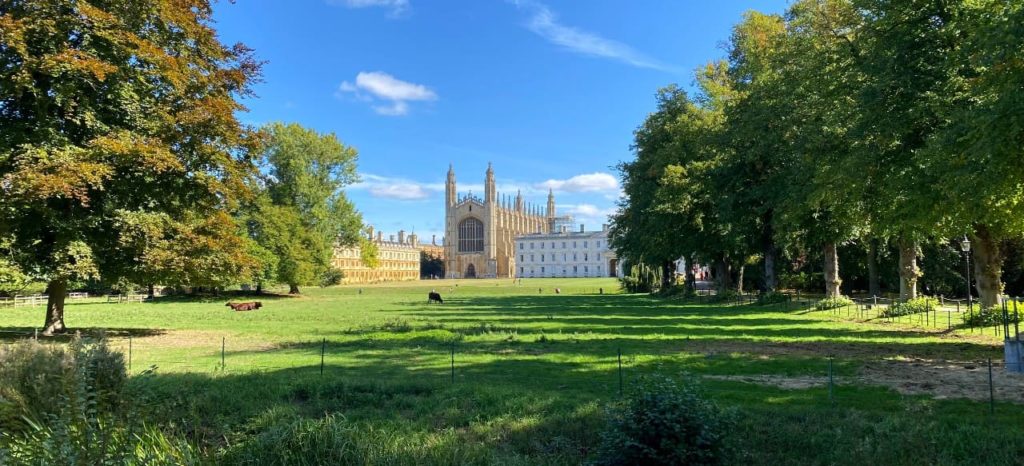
(965, 246)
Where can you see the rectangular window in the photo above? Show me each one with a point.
(521, 259)
(584, 244)
(563, 244)
(542, 257)
(531, 245)
(542, 245)
(574, 245)
(585, 257)
(563, 257)
(574, 257)
(520, 271)
(552, 245)
(584, 269)
(542, 270)
(522, 246)
(598, 244)
(531, 257)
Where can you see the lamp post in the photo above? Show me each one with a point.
(965, 246)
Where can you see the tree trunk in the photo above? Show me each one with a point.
(739, 278)
(768, 242)
(56, 291)
(909, 271)
(259, 288)
(722, 275)
(874, 288)
(151, 291)
(832, 280)
(293, 289)
(668, 274)
(988, 266)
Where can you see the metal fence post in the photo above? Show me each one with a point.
(323, 347)
(991, 390)
(831, 399)
(620, 372)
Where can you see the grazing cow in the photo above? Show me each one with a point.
(249, 306)
(434, 297)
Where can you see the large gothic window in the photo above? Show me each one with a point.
(471, 235)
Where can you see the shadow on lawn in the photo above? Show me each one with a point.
(10, 334)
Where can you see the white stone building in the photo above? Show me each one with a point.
(565, 254)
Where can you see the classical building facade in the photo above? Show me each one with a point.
(480, 234)
(398, 259)
(566, 254)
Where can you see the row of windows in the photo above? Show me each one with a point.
(565, 257)
(565, 271)
(564, 243)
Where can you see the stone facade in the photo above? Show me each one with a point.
(480, 234)
(566, 254)
(398, 260)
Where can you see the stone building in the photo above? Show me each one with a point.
(566, 254)
(398, 260)
(480, 233)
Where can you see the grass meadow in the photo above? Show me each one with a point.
(503, 373)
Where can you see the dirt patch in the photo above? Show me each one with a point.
(938, 379)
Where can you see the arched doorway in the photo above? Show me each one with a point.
(470, 271)
(613, 266)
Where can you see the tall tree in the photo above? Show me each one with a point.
(109, 108)
(305, 175)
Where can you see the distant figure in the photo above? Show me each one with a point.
(434, 297)
(250, 306)
(540, 290)
(600, 291)
(360, 291)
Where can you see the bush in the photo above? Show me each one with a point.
(986, 317)
(664, 422)
(772, 297)
(833, 303)
(68, 405)
(331, 277)
(912, 306)
(724, 296)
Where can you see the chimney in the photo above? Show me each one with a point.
(433, 240)
(369, 232)
(604, 227)
(380, 236)
(581, 228)
(413, 240)
(401, 236)
(391, 238)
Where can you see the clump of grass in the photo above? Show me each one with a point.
(397, 325)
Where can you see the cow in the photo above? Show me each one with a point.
(249, 306)
(434, 297)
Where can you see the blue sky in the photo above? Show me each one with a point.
(550, 92)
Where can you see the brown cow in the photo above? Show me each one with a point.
(249, 306)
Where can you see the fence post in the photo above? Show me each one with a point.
(323, 347)
(453, 362)
(831, 399)
(223, 344)
(991, 390)
(620, 372)
(1016, 320)
(129, 354)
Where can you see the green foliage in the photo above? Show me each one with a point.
(332, 277)
(642, 278)
(665, 421)
(833, 303)
(912, 306)
(772, 297)
(990, 317)
(724, 296)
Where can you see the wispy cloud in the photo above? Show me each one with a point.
(395, 7)
(545, 23)
(590, 182)
(390, 96)
(398, 189)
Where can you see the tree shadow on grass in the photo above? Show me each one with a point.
(11, 334)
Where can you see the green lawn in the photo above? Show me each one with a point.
(533, 369)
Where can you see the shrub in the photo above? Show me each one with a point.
(68, 405)
(665, 422)
(772, 297)
(986, 317)
(912, 306)
(724, 296)
(331, 277)
(833, 303)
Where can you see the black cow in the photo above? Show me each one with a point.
(434, 297)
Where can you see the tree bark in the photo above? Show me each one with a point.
(909, 271)
(739, 278)
(56, 291)
(722, 275)
(293, 289)
(988, 266)
(832, 280)
(259, 288)
(874, 288)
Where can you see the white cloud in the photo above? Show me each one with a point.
(396, 7)
(544, 23)
(391, 94)
(591, 182)
(399, 189)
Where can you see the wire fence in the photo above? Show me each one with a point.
(600, 366)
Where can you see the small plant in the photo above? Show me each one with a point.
(986, 317)
(833, 303)
(772, 297)
(397, 325)
(911, 306)
(663, 421)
